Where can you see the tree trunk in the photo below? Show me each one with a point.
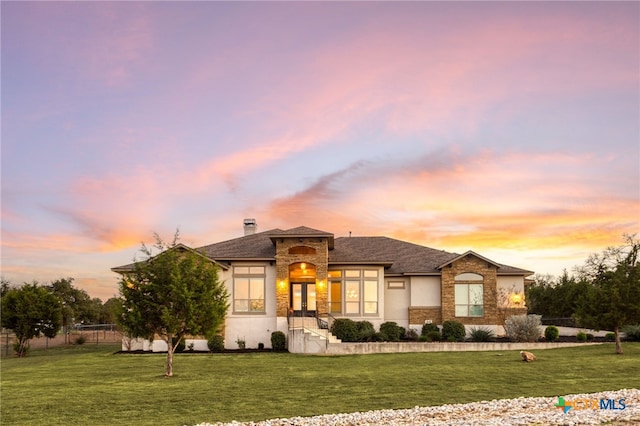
(616, 329)
(22, 347)
(168, 370)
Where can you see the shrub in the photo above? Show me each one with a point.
(453, 331)
(345, 329)
(377, 337)
(481, 334)
(631, 333)
(391, 331)
(610, 337)
(433, 336)
(260, 346)
(242, 344)
(523, 328)
(429, 327)
(411, 335)
(278, 341)
(590, 337)
(81, 340)
(216, 343)
(551, 333)
(581, 337)
(364, 331)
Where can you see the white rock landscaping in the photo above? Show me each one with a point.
(519, 411)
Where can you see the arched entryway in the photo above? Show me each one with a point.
(303, 297)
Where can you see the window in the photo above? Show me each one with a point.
(395, 284)
(336, 297)
(469, 300)
(370, 297)
(352, 297)
(248, 289)
(354, 291)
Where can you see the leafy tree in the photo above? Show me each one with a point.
(111, 311)
(77, 306)
(555, 297)
(612, 300)
(30, 311)
(172, 294)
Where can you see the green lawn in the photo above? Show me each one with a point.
(91, 385)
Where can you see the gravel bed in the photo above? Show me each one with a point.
(519, 411)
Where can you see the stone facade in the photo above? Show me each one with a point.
(472, 264)
(285, 258)
(421, 314)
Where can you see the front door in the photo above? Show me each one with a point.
(303, 299)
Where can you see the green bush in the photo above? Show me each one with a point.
(581, 337)
(364, 331)
(453, 331)
(433, 336)
(377, 337)
(523, 328)
(631, 333)
(551, 333)
(216, 343)
(242, 344)
(481, 334)
(345, 329)
(429, 327)
(80, 340)
(278, 341)
(610, 337)
(411, 335)
(590, 337)
(391, 331)
(260, 346)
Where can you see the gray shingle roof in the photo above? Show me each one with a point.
(404, 257)
(254, 246)
(399, 257)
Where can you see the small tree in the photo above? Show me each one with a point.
(30, 311)
(612, 300)
(172, 294)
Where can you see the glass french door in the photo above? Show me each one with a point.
(303, 299)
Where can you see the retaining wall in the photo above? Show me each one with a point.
(398, 347)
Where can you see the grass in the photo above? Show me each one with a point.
(91, 385)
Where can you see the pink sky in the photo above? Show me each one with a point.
(508, 128)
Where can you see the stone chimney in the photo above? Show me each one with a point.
(250, 226)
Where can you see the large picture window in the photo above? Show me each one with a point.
(248, 289)
(469, 300)
(354, 291)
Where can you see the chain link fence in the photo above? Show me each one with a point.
(72, 335)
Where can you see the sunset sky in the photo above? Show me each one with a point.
(507, 128)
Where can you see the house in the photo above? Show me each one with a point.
(292, 280)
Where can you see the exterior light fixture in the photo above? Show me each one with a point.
(516, 298)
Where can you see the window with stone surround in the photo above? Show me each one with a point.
(248, 289)
(469, 295)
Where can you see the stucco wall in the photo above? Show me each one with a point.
(396, 301)
(252, 327)
(425, 291)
